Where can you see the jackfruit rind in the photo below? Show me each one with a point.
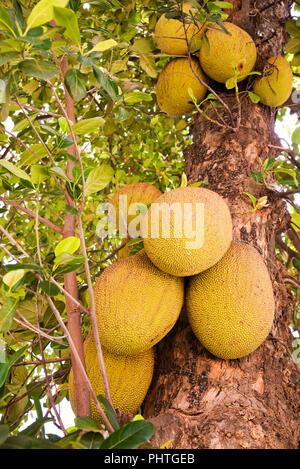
(275, 87)
(172, 88)
(129, 378)
(230, 306)
(200, 230)
(136, 304)
(227, 52)
(136, 193)
(172, 37)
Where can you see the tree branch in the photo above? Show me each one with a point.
(32, 214)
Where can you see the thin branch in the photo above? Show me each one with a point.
(43, 220)
(80, 364)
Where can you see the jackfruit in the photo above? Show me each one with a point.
(136, 304)
(230, 306)
(126, 202)
(275, 86)
(228, 52)
(172, 88)
(187, 230)
(129, 378)
(172, 37)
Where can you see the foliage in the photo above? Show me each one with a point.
(102, 55)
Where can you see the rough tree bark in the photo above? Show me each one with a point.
(196, 399)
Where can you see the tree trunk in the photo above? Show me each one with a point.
(196, 399)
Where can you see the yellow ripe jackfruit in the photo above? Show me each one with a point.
(275, 87)
(172, 89)
(230, 306)
(129, 378)
(174, 38)
(227, 52)
(136, 304)
(187, 230)
(126, 203)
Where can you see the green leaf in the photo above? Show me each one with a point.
(35, 427)
(68, 245)
(43, 12)
(103, 46)
(91, 440)
(12, 168)
(129, 436)
(49, 288)
(6, 21)
(225, 5)
(7, 312)
(231, 83)
(109, 412)
(12, 278)
(38, 174)
(67, 18)
(107, 84)
(296, 136)
(290, 172)
(183, 180)
(293, 46)
(148, 65)
(257, 176)
(4, 432)
(87, 424)
(87, 126)
(75, 82)
(5, 367)
(71, 210)
(253, 199)
(27, 157)
(60, 173)
(122, 114)
(254, 97)
(296, 60)
(72, 267)
(27, 442)
(39, 69)
(66, 258)
(269, 164)
(296, 264)
(142, 45)
(7, 56)
(98, 179)
(292, 28)
(134, 97)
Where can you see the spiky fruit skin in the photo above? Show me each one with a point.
(226, 52)
(172, 252)
(230, 306)
(129, 378)
(173, 83)
(136, 304)
(136, 193)
(276, 86)
(171, 37)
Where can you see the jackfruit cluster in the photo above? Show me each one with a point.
(187, 241)
(221, 53)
